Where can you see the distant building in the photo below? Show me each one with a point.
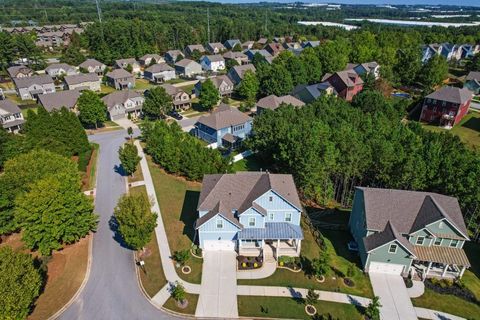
(120, 79)
(309, 93)
(347, 83)
(239, 57)
(11, 117)
(83, 81)
(147, 59)
(194, 47)
(121, 104)
(372, 68)
(19, 72)
(29, 88)
(93, 66)
(272, 102)
(171, 56)
(159, 73)
(60, 99)
(60, 69)
(215, 47)
(472, 82)
(124, 63)
(180, 98)
(223, 84)
(446, 106)
(226, 126)
(237, 73)
(212, 63)
(230, 44)
(188, 68)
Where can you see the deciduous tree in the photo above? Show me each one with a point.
(157, 103)
(93, 110)
(209, 95)
(136, 221)
(249, 87)
(20, 283)
(129, 158)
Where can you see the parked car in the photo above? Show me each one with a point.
(176, 115)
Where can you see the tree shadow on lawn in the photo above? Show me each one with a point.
(189, 213)
(472, 250)
(473, 124)
(340, 240)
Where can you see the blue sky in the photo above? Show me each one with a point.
(393, 2)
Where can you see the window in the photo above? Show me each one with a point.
(440, 225)
(438, 241)
(219, 224)
(288, 217)
(270, 216)
(420, 240)
(392, 248)
(270, 199)
(251, 222)
(453, 243)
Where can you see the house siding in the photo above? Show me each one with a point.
(382, 255)
(209, 231)
(259, 219)
(357, 223)
(433, 110)
(278, 207)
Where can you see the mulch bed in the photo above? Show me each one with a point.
(348, 282)
(453, 288)
(249, 263)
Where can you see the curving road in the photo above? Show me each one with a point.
(111, 291)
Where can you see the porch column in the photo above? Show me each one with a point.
(277, 252)
(428, 268)
(299, 245)
(462, 271)
(445, 270)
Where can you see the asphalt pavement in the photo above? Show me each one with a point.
(112, 291)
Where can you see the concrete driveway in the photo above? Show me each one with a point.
(187, 124)
(396, 303)
(218, 294)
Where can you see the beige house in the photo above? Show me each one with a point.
(93, 66)
(121, 104)
(83, 81)
(180, 99)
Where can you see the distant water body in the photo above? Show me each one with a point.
(474, 3)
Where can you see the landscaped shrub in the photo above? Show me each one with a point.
(349, 282)
(84, 159)
(181, 257)
(408, 282)
(445, 286)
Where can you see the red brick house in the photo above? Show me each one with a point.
(347, 83)
(446, 106)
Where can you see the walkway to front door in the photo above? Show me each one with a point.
(394, 298)
(218, 293)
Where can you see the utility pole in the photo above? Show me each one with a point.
(266, 30)
(99, 12)
(208, 25)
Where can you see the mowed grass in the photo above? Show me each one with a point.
(290, 308)
(178, 200)
(171, 304)
(447, 303)
(341, 258)
(468, 129)
(152, 276)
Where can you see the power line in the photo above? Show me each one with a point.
(208, 25)
(99, 11)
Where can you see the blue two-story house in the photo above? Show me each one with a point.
(409, 233)
(226, 126)
(250, 212)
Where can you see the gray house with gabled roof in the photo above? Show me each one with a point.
(11, 117)
(250, 212)
(31, 87)
(60, 99)
(409, 233)
(188, 68)
(120, 79)
(231, 43)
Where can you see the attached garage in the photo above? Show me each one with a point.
(218, 245)
(388, 268)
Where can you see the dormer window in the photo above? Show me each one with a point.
(420, 240)
(393, 248)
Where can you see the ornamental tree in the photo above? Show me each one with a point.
(20, 284)
(136, 221)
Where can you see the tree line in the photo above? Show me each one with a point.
(181, 153)
(331, 146)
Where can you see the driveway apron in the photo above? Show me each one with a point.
(394, 298)
(218, 294)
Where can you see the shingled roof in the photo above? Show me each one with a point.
(119, 97)
(57, 100)
(8, 107)
(387, 235)
(451, 94)
(272, 102)
(409, 211)
(81, 78)
(28, 81)
(224, 116)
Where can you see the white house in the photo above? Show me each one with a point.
(212, 63)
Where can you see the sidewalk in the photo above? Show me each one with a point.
(168, 268)
(435, 315)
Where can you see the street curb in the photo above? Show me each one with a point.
(82, 285)
(89, 261)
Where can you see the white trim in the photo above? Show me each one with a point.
(398, 242)
(221, 215)
(217, 223)
(390, 247)
(437, 245)
(456, 245)
(423, 241)
(250, 220)
(291, 216)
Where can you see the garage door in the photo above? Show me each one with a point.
(389, 268)
(217, 245)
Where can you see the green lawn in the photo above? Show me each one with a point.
(336, 242)
(471, 278)
(468, 129)
(188, 88)
(142, 84)
(178, 202)
(190, 309)
(152, 276)
(173, 81)
(447, 303)
(279, 307)
(106, 89)
(248, 164)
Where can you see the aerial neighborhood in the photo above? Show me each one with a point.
(253, 160)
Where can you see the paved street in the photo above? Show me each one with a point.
(218, 294)
(112, 290)
(396, 303)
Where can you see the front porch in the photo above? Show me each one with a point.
(277, 247)
(439, 262)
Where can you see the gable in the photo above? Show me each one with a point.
(211, 225)
(443, 227)
(272, 201)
